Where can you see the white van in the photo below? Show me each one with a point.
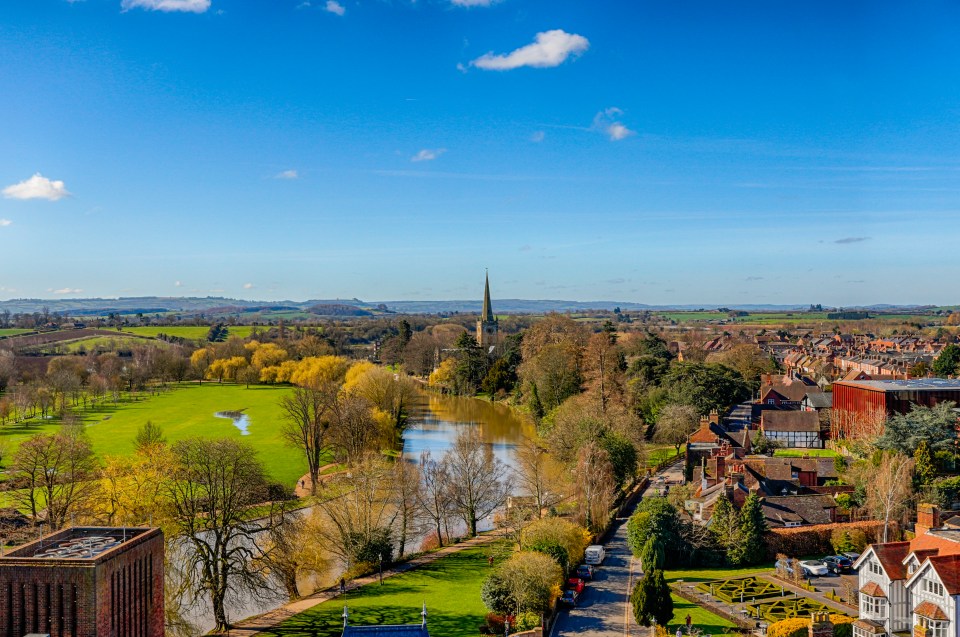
(594, 555)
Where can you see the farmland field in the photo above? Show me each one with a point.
(12, 331)
(191, 332)
(185, 412)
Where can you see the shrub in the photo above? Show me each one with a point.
(842, 625)
(527, 621)
(807, 540)
(845, 539)
(554, 550)
(495, 595)
(495, 623)
(575, 539)
(795, 627)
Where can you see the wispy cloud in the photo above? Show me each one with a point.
(473, 3)
(248, 286)
(287, 174)
(4, 223)
(754, 278)
(607, 122)
(65, 291)
(846, 240)
(177, 284)
(335, 7)
(549, 49)
(186, 6)
(428, 154)
(37, 187)
(538, 136)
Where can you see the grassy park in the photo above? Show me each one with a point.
(709, 623)
(450, 587)
(799, 453)
(190, 332)
(186, 411)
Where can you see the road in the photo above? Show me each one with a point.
(604, 609)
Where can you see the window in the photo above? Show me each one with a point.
(933, 587)
(934, 628)
(875, 568)
(873, 606)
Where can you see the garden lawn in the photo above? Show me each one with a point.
(703, 619)
(694, 576)
(798, 453)
(450, 587)
(13, 331)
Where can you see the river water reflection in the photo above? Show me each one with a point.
(435, 421)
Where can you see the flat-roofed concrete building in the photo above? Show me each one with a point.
(860, 407)
(84, 582)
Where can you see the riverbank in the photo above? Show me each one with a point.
(454, 609)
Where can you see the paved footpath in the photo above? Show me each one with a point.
(267, 621)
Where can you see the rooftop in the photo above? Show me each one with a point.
(77, 543)
(916, 384)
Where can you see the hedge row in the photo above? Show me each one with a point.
(800, 627)
(815, 540)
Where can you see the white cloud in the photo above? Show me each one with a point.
(551, 48)
(37, 187)
(288, 174)
(335, 7)
(428, 154)
(187, 6)
(4, 223)
(177, 284)
(538, 136)
(65, 290)
(248, 286)
(607, 122)
(473, 3)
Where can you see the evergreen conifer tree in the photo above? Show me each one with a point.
(749, 547)
(652, 556)
(724, 525)
(923, 464)
(651, 600)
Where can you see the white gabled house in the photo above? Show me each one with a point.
(884, 606)
(934, 591)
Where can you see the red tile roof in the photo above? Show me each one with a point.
(872, 589)
(930, 611)
(891, 556)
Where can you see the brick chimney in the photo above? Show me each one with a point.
(714, 417)
(928, 517)
(820, 625)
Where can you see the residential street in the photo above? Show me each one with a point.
(604, 608)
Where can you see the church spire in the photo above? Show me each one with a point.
(487, 314)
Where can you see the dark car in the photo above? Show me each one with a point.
(569, 598)
(585, 572)
(851, 555)
(838, 564)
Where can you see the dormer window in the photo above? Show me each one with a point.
(875, 568)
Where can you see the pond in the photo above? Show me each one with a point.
(240, 420)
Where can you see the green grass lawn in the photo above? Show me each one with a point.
(191, 332)
(657, 454)
(703, 619)
(693, 576)
(813, 453)
(183, 412)
(12, 331)
(450, 587)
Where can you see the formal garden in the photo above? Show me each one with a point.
(776, 610)
(741, 589)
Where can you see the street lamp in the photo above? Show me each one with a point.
(381, 569)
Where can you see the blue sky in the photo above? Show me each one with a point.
(660, 152)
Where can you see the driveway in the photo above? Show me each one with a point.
(604, 608)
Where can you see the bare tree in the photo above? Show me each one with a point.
(353, 429)
(307, 427)
(433, 498)
(675, 424)
(214, 483)
(290, 550)
(889, 488)
(534, 476)
(406, 483)
(595, 484)
(57, 473)
(478, 479)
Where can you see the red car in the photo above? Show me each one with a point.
(575, 584)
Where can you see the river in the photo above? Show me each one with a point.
(434, 423)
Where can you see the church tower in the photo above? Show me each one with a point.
(487, 327)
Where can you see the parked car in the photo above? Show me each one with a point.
(814, 567)
(576, 584)
(569, 598)
(585, 572)
(838, 564)
(851, 555)
(594, 555)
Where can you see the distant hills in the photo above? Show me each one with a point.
(356, 307)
